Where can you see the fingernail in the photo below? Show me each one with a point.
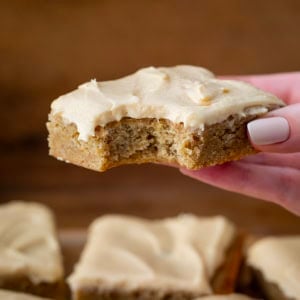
(268, 130)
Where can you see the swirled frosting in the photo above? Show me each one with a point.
(180, 254)
(278, 259)
(9, 295)
(182, 94)
(28, 245)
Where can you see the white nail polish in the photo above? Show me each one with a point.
(268, 131)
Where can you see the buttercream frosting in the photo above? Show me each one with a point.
(28, 245)
(9, 295)
(278, 259)
(182, 94)
(180, 253)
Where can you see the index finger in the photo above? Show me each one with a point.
(285, 86)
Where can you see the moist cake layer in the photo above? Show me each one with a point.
(278, 261)
(150, 140)
(188, 95)
(128, 255)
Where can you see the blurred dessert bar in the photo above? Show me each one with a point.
(226, 297)
(182, 115)
(274, 263)
(30, 258)
(9, 295)
(175, 258)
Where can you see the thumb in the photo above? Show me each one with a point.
(278, 131)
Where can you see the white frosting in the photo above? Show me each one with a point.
(180, 254)
(9, 295)
(278, 258)
(28, 245)
(225, 297)
(187, 94)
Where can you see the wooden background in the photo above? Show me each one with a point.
(49, 47)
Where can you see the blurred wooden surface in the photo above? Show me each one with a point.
(49, 47)
(78, 195)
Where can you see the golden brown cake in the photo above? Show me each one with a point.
(181, 115)
(274, 263)
(175, 258)
(9, 295)
(30, 259)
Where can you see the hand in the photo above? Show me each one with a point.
(274, 174)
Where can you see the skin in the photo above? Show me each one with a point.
(274, 174)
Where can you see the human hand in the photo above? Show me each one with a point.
(274, 174)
